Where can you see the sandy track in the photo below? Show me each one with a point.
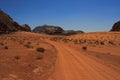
(73, 65)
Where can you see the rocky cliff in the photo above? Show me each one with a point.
(7, 24)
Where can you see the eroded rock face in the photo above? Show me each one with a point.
(7, 24)
(116, 26)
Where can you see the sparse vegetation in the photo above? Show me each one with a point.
(40, 49)
(28, 42)
(1, 43)
(39, 57)
(111, 42)
(91, 39)
(17, 57)
(27, 45)
(84, 48)
(17, 52)
(102, 43)
(6, 47)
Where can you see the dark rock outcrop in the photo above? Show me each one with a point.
(26, 27)
(55, 30)
(52, 30)
(72, 32)
(116, 26)
(7, 24)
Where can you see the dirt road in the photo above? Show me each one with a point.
(74, 65)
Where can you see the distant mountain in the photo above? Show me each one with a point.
(54, 30)
(116, 26)
(72, 32)
(7, 24)
(47, 29)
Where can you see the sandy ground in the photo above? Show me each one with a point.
(75, 65)
(20, 60)
(64, 57)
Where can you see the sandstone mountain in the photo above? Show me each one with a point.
(55, 30)
(7, 24)
(116, 26)
(48, 29)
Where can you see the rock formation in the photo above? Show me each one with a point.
(52, 30)
(55, 30)
(7, 24)
(116, 26)
(26, 27)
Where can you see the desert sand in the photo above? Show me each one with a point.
(63, 58)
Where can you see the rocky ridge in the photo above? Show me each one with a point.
(7, 24)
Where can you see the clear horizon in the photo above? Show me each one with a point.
(85, 15)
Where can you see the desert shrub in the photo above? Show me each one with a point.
(84, 40)
(2, 44)
(27, 46)
(102, 43)
(84, 47)
(111, 42)
(75, 41)
(6, 47)
(65, 40)
(39, 57)
(97, 42)
(17, 57)
(28, 42)
(40, 49)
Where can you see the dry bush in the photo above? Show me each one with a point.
(17, 57)
(40, 49)
(39, 57)
(6, 47)
(84, 48)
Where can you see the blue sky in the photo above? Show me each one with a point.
(86, 15)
